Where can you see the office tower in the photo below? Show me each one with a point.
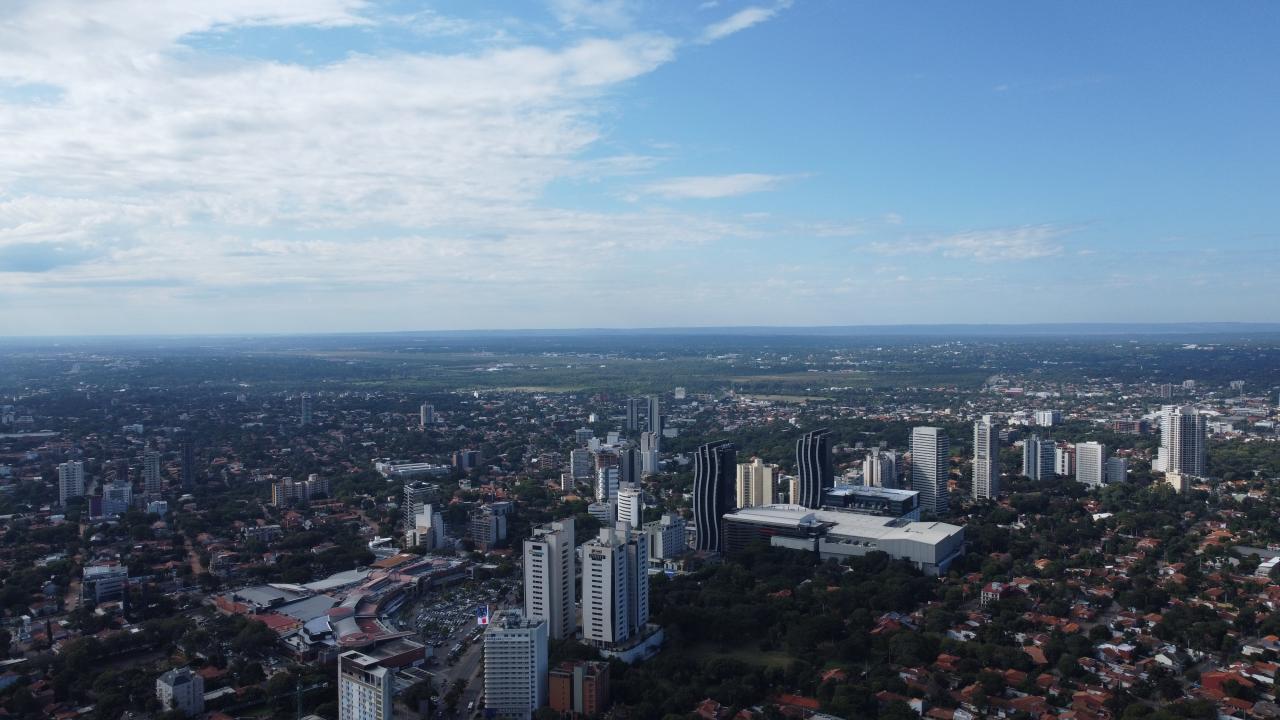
(630, 466)
(1048, 418)
(550, 572)
(986, 460)
(1039, 458)
(755, 483)
(816, 470)
(515, 665)
(426, 415)
(655, 417)
(486, 527)
(427, 530)
(615, 586)
(1117, 470)
(666, 537)
(1091, 464)
(305, 414)
(607, 484)
(181, 690)
(1064, 461)
(365, 688)
(880, 469)
(1186, 448)
(117, 498)
(634, 406)
(188, 464)
(70, 481)
(581, 464)
(931, 468)
(648, 453)
(631, 507)
(713, 475)
(151, 482)
(416, 497)
(579, 689)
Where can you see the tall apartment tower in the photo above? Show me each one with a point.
(630, 466)
(615, 586)
(607, 484)
(713, 480)
(550, 578)
(364, 688)
(1186, 450)
(986, 459)
(930, 468)
(151, 481)
(515, 665)
(426, 415)
(634, 407)
(1091, 464)
(755, 483)
(631, 507)
(655, 417)
(816, 470)
(416, 497)
(70, 480)
(1039, 458)
(880, 469)
(304, 415)
(648, 453)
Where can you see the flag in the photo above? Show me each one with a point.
(482, 615)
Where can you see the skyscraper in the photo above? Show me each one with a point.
(816, 470)
(648, 453)
(931, 468)
(70, 480)
(615, 586)
(364, 688)
(1091, 464)
(631, 507)
(426, 415)
(188, 464)
(607, 484)
(713, 476)
(416, 497)
(630, 466)
(515, 665)
(986, 459)
(1039, 458)
(305, 409)
(755, 483)
(634, 406)
(655, 417)
(550, 570)
(151, 481)
(1186, 450)
(880, 469)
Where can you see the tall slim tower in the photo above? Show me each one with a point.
(631, 507)
(515, 665)
(1039, 459)
(986, 459)
(426, 415)
(550, 570)
(615, 586)
(70, 480)
(714, 465)
(416, 496)
(364, 688)
(188, 464)
(634, 406)
(305, 409)
(1187, 429)
(880, 469)
(151, 482)
(648, 453)
(930, 468)
(1091, 464)
(655, 417)
(816, 470)
(755, 483)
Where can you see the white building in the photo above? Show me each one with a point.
(880, 469)
(364, 688)
(631, 507)
(1091, 464)
(515, 665)
(104, 583)
(648, 453)
(665, 538)
(1185, 430)
(151, 480)
(615, 587)
(181, 690)
(930, 468)
(1048, 418)
(550, 578)
(426, 415)
(754, 484)
(1064, 461)
(427, 530)
(986, 459)
(70, 480)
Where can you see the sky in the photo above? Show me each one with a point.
(290, 166)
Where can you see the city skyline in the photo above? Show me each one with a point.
(359, 165)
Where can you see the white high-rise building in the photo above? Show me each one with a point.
(70, 480)
(427, 530)
(666, 537)
(426, 415)
(931, 468)
(880, 469)
(181, 690)
(648, 453)
(1186, 437)
(364, 688)
(550, 578)
(986, 459)
(607, 484)
(151, 481)
(755, 483)
(515, 665)
(793, 488)
(1064, 461)
(1048, 418)
(615, 586)
(1091, 464)
(631, 507)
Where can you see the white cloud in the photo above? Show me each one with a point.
(741, 20)
(609, 14)
(1025, 242)
(706, 187)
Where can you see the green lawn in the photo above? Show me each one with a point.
(709, 651)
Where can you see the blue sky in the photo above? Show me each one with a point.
(342, 165)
